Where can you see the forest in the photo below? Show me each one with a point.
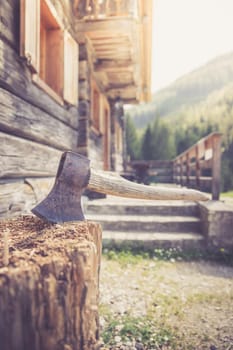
(178, 116)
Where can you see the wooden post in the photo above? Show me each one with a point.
(49, 290)
(198, 170)
(181, 171)
(216, 166)
(175, 171)
(187, 169)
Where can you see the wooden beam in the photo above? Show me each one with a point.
(21, 118)
(111, 56)
(113, 49)
(110, 43)
(216, 183)
(115, 69)
(22, 158)
(121, 86)
(115, 25)
(113, 64)
(129, 93)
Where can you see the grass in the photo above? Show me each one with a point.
(133, 256)
(139, 329)
(183, 310)
(228, 194)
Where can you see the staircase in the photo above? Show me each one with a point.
(147, 224)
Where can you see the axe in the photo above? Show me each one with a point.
(74, 175)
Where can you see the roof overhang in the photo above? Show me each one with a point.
(119, 52)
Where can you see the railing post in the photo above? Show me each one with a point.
(175, 171)
(197, 167)
(181, 171)
(187, 169)
(216, 166)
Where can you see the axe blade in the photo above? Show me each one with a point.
(63, 203)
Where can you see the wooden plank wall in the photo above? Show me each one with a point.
(84, 101)
(34, 128)
(89, 143)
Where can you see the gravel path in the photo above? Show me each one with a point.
(179, 305)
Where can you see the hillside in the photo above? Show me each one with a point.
(192, 107)
(209, 82)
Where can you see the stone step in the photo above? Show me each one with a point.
(125, 206)
(147, 223)
(153, 240)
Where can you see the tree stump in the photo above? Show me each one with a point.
(49, 290)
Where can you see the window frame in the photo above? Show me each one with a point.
(30, 48)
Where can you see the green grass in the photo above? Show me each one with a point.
(135, 256)
(228, 194)
(140, 329)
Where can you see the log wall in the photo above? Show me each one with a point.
(90, 143)
(34, 128)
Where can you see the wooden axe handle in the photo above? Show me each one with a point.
(114, 184)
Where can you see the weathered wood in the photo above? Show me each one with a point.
(216, 172)
(204, 162)
(83, 70)
(106, 65)
(15, 198)
(20, 196)
(22, 158)
(15, 77)
(112, 183)
(49, 291)
(84, 90)
(126, 93)
(87, 9)
(118, 26)
(23, 119)
(8, 23)
(152, 163)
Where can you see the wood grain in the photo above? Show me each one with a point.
(22, 158)
(111, 183)
(49, 291)
(15, 77)
(22, 119)
(20, 196)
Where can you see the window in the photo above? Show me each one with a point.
(51, 52)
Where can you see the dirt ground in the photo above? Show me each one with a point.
(144, 303)
(151, 304)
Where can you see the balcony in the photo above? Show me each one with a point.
(117, 35)
(99, 9)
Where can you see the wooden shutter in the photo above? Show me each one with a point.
(30, 32)
(70, 92)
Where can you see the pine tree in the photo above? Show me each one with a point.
(132, 141)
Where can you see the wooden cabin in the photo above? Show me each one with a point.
(66, 70)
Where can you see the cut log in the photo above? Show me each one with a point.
(49, 290)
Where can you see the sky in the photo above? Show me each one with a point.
(186, 35)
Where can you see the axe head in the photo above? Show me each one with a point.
(63, 203)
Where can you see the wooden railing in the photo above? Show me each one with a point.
(200, 166)
(96, 9)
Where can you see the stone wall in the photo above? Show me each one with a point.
(217, 224)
